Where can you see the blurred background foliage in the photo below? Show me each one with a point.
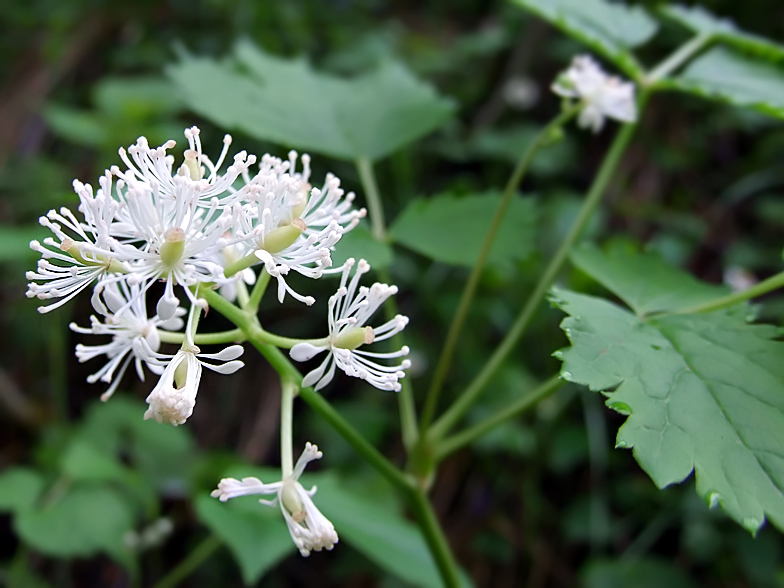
(91, 495)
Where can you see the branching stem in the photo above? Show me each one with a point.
(453, 335)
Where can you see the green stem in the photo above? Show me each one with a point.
(416, 497)
(242, 293)
(286, 369)
(258, 291)
(195, 558)
(453, 335)
(376, 459)
(408, 419)
(772, 283)
(285, 342)
(232, 336)
(456, 411)
(434, 535)
(241, 264)
(408, 424)
(373, 197)
(471, 434)
(288, 390)
(681, 55)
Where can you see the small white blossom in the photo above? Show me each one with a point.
(310, 530)
(174, 397)
(602, 95)
(127, 330)
(83, 252)
(291, 226)
(175, 221)
(349, 309)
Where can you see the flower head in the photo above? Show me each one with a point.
(127, 330)
(602, 95)
(310, 530)
(82, 250)
(289, 225)
(149, 221)
(349, 309)
(174, 397)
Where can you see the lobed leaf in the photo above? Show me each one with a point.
(285, 101)
(87, 519)
(20, 488)
(644, 281)
(703, 393)
(701, 21)
(610, 29)
(725, 76)
(451, 229)
(375, 526)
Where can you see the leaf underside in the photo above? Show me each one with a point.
(701, 21)
(610, 29)
(725, 76)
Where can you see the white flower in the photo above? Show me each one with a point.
(174, 397)
(83, 252)
(127, 330)
(289, 225)
(349, 309)
(174, 222)
(310, 530)
(155, 222)
(602, 95)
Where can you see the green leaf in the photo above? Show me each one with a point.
(255, 534)
(703, 393)
(77, 126)
(451, 229)
(15, 242)
(86, 520)
(19, 489)
(725, 76)
(645, 572)
(84, 461)
(366, 516)
(161, 454)
(610, 29)
(508, 143)
(372, 523)
(139, 97)
(701, 21)
(643, 280)
(285, 101)
(359, 243)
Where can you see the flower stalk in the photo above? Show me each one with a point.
(455, 328)
(466, 399)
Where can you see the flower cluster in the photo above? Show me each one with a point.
(602, 95)
(193, 227)
(196, 224)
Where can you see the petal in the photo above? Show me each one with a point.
(226, 368)
(305, 351)
(231, 352)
